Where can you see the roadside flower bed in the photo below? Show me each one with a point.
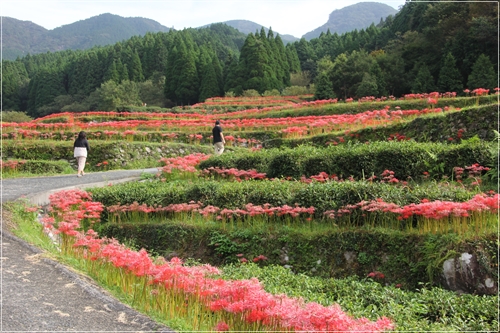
(193, 292)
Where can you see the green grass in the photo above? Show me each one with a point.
(428, 309)
(27, 227)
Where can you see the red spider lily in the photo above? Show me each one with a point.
(245, 299)
(480, 91)
(376, 275)
(221, 327)
(184, 164)
(233, 173)
(260, 258)
(433, 210)
(11, 164)
(432, 101)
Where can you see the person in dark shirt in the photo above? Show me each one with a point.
(218, 138)
(81, 149)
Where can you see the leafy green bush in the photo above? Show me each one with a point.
(44, 167)
(407, 159)
(322, 196)
(427, 309)
(15, 117)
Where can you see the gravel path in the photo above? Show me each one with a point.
(41, 295)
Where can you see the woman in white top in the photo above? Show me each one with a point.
(81, 149)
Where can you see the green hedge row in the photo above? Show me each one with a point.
(407, 159)
(118, 154)
(40, 167)
(409, 259)
(355, 107)
(451, 127)
(322, 196)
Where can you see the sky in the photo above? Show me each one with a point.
(292, 17)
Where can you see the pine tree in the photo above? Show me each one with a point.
(231, 76)
(93, 78)
(379, 76)
(255, 71)
(283, 61)
(324, 87)
(112, 73)
(367, 87)
(124, 75)
(170, 75)
(218, 75)
(293, 59)
(14, 77)
(482, 75)
(450, 79)
(187, 89)
(424, 82)
(136, 68)
(209, 86)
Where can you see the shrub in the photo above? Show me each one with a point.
(406, 159)
(15, 117)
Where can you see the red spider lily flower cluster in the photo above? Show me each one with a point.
(68, 208)
(433, 96)
(323, 177)
(184, 164)
(207, 211)
(295, 131)
(429, 209)
(480, 91)
(432, 101)
(198, 122)
(388, 176)
(259, 258)
(169, 135)
(11, 164)
(376, 275)
(397, 137)
(245, 299)
(474, 171)
(233, 173)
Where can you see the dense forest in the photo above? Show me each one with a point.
(426, 46)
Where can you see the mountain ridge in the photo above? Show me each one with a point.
(21, 38)
(345, 19)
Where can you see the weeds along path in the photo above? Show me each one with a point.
(40, 294)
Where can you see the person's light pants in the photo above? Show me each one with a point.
(218, 148)
(81, 162)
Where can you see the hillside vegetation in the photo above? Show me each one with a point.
(368, 215)
(456, 44)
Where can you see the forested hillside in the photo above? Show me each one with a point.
(21, 38)
(439, 46)
(247, 27)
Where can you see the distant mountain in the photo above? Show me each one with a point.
(247, 27)
(23, 37)
(357, 16)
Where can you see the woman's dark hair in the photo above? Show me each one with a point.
(82, 135)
